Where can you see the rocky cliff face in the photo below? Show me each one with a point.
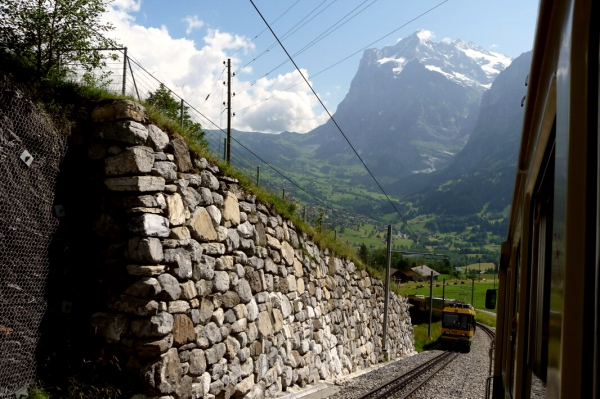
(212, 293)
(411, 106)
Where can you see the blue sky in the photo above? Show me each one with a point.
(184, 43)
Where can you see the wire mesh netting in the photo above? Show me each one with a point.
(31, 150)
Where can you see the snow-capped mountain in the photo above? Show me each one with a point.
(464, 63)
(412, 106)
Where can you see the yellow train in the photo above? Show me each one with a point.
(421, 303)
(458, 325)
(547, 337)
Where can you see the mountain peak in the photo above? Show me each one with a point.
(464, 63)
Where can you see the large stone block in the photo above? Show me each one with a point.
(158, 138)
(180, 261)
(164, 375)
(145, 249)
(166, 170)
(201, 226)
(150, 225)
(170, 286)
(119, 109)
(134, 160)
(157, 326)
(182, 154)
(130, 132)
(183, 330)
(231, 210)
(135, 183)
(176, 210)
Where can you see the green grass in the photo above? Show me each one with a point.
(486, 319)
(422, 339)
(38, 393)
(461, 290)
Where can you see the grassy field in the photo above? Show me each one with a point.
(455, 289)
(422, 339)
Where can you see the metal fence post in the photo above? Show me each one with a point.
(124, 70)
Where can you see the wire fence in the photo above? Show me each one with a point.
(31, 150)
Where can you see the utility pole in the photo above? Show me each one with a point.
(472, 291)
(387, 288)
(257, 175)
(228, 158)
(430, 302)
(480, 268)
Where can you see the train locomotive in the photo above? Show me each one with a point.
(458, 325)
(547, 335)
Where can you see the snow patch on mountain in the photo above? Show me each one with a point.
(463, 63)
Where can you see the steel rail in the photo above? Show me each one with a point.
(397, 383)
(411, 393)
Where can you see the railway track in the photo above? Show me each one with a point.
(410, 382)
(490, 333)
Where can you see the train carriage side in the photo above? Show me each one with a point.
(547, 319)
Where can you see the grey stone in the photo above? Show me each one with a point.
(191, 197)
(217, 199)
(135, 183)
(158, 138)
(182, 154)
(188, 290)
(233, 347)
(166, 170)
(197, 362)
(204, 268)
(206, 196)
(181, 262)
(244, 291)
(221, 281)
(212, 333)
(216, 353)
(209, 180)
(265, 327)
(165, 374)
(157, 326)
(145, 249)
(128, 132)
(134, 160)
(212, 248)
(170, 287)
(252, 309)
(150, 225)
(229, 299)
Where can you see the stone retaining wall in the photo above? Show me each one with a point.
(220, 296)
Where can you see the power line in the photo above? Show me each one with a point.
(331, 117)
(261, 32)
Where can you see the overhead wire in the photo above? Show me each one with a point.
(342, 60)
(264, 30)
(331, 116)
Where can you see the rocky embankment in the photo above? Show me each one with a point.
(219, 296)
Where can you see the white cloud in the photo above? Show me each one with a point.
(494, 46)
(192, 22)
(447, 40)
(192, 69)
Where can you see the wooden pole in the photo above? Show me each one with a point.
(430, 302)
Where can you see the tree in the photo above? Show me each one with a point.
(363, 253)
(47, 33)
(164, 102)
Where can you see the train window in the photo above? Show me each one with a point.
(540, 271)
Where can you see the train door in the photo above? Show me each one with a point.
(540, 271)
